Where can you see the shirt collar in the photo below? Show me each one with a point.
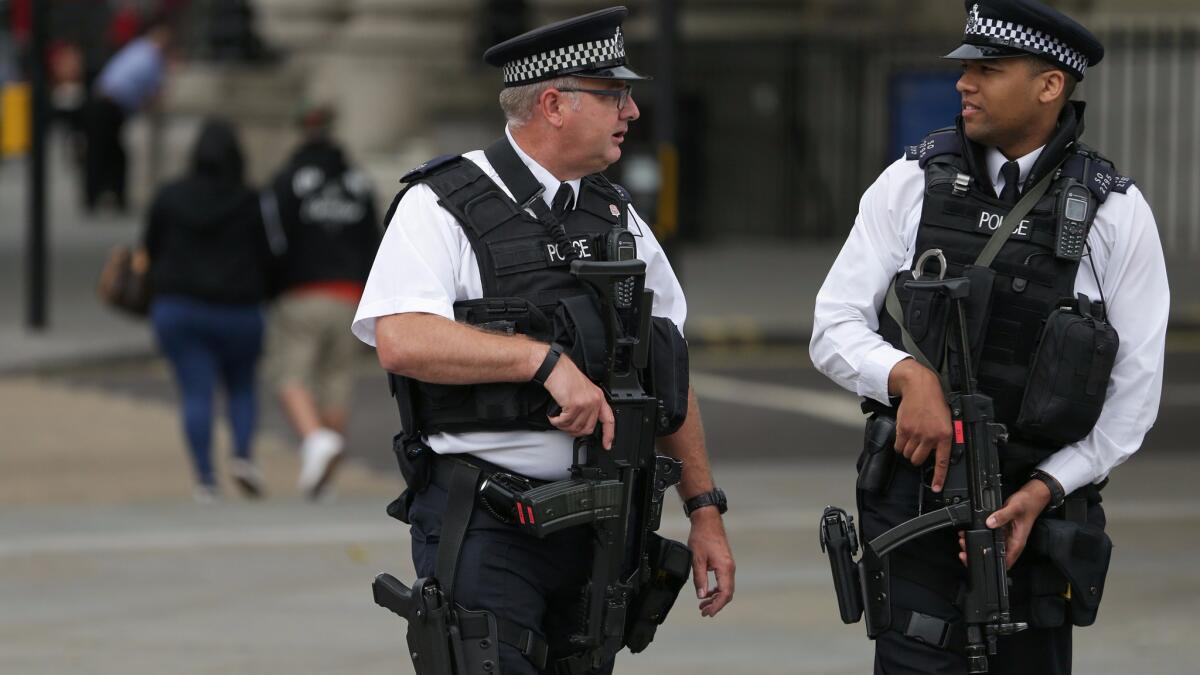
(543, 176)
(996, 161)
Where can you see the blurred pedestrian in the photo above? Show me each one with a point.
(323, 211)
(128, 83)
(208, 267)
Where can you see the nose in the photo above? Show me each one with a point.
(965, 82)
(630, 112)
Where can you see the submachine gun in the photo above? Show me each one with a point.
(636, 574)
(972, 492)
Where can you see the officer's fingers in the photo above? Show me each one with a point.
(1005, 515)
(700, 575)
(942, 465)
(609, 423)
(920, 454)
(962, 557)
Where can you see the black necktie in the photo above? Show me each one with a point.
(562, 202)
(1012, 182)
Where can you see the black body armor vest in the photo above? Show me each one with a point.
(524, 268)
(959, 215)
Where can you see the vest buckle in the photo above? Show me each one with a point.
(962, 184)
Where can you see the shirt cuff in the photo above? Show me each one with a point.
(1071, 469)
(874, 371)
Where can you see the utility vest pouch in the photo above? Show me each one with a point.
(667, 376)
(1069, 374)
(1081, 553)
(926, 313)
(579, 328)
(670, 564)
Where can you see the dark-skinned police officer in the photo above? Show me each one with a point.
(1088, 247)
(568, 103)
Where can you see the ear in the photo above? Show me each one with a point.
(1052, 84)
(550, 105)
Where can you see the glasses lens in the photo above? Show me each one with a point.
(624, 97)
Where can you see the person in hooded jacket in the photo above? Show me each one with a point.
(209, 262)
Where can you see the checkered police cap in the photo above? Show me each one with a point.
(591, 45)
(1005, 28)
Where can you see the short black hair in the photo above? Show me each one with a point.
(1038, 65)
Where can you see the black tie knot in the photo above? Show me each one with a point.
(562, 201)
(1011, 171)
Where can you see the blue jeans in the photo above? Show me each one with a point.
(206, 342)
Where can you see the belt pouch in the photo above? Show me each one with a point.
(1081, 553)
(416, 462)
(1068, 376)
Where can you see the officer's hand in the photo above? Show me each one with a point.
(582, 402)
(923, 420)
(710, 551)
(1017, 515)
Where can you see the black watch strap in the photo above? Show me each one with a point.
(714, 498)
(548, 363)
(1057, 494)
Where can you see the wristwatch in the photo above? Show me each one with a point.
(547, 367)
(715, 498)
(1057, 494)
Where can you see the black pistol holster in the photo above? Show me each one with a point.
(445, 638)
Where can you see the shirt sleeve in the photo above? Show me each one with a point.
(845, 346)
(418, 265)
(669, 301)
(1134, 284)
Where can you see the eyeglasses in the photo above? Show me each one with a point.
(622, 94)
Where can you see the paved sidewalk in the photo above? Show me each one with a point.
(106, 566)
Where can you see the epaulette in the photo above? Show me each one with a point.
(426, 168)
(940, 142)
(1102, 177)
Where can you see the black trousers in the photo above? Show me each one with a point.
(926, 577)
(105, 162)
(534, 583)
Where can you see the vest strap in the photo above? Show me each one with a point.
(1014, 218)
(460, 501)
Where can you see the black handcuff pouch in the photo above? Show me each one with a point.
(415, 458)
(1069, 374)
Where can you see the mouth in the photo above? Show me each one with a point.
(619, 137)
(969, 109)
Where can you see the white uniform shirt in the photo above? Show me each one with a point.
(1125, 255)
(425, 264)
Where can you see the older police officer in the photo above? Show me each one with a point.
(1092, 234)
(568, 103)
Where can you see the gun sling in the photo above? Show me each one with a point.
(460, 479)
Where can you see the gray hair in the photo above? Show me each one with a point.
(518, 102)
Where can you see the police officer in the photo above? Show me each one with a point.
(1020, 62)
(568, 103)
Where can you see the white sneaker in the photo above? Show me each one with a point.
(320, 453)
(247, 477)
(206, 494)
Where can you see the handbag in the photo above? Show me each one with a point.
(125, 281)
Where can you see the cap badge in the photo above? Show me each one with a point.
(973, 19)
(619, 41)
(612, 208)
